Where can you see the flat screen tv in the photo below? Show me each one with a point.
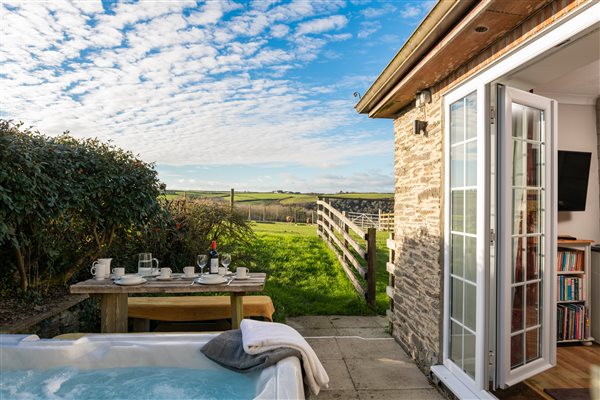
(573, 175)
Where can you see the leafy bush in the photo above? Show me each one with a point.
(183, 229)
(63, 201)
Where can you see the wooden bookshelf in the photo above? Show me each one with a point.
(573, 296)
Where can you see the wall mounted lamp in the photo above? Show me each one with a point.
(419, 127)
(423, 97)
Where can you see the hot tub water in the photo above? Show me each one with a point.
(133, 366)
(125, 383)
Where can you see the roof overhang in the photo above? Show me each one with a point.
(445, 40)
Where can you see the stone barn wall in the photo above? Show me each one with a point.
(418, 216)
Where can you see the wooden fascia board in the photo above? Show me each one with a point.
(376, 111)
(500, 16)
(435, 25)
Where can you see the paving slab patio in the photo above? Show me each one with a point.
(362, 359)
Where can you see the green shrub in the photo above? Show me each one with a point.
(183, 229)
(63, 201)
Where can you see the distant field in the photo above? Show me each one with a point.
(279, 228)
(265, 198)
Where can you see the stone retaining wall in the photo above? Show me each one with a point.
(366, 206)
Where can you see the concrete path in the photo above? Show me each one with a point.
(362, 360)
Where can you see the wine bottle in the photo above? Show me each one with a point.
(214, 258)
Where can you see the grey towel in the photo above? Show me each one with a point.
(227, 350)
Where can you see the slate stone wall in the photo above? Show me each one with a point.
(418, 211)
(366, 206)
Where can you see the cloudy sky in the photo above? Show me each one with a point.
(254, 95)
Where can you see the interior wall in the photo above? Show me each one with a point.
(577, 132)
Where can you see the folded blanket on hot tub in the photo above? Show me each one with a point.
(227, 350)
(260, 337)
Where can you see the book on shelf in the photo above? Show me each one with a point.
(569, 260)
(571, 288)
(572, 322)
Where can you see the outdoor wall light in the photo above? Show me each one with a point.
(423, 97)
(419, 127)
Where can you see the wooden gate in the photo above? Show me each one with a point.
(350, 243)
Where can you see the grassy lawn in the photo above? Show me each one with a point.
(304, 275)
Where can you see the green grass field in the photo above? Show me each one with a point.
(305, 277)
(265, 198)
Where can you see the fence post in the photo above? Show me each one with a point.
(347, 231)
(371, 265)
(319, 208)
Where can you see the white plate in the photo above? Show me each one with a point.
(130, 282)
(182, 276)
(212, 281)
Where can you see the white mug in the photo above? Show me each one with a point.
(241, 272)
(165, 272)
(100, 270)
(189, 271)
(118, 272)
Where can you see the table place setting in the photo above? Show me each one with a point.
(211, 279)
(165, 274)
(189, 273)
(129, 280)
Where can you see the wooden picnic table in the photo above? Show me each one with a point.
(114, 297)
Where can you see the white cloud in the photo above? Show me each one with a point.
(279, 30)
(211, 13)
(89, 6)
(322, 25)
(367, 28)
(368, 181)
(375, 12)
(416, 10)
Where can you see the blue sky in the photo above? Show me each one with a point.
(219, 94)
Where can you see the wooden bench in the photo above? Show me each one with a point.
(196, 308)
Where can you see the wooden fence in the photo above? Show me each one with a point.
(335, 229)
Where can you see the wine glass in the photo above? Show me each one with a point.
(226, 260)
(201, 261)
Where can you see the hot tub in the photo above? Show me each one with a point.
(133, 366)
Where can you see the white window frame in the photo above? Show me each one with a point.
(478, 383)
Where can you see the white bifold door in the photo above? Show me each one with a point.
(526, 201)
(500, 305)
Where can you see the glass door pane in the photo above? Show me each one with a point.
(526, 312)
(528, 212)
(463, 234)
